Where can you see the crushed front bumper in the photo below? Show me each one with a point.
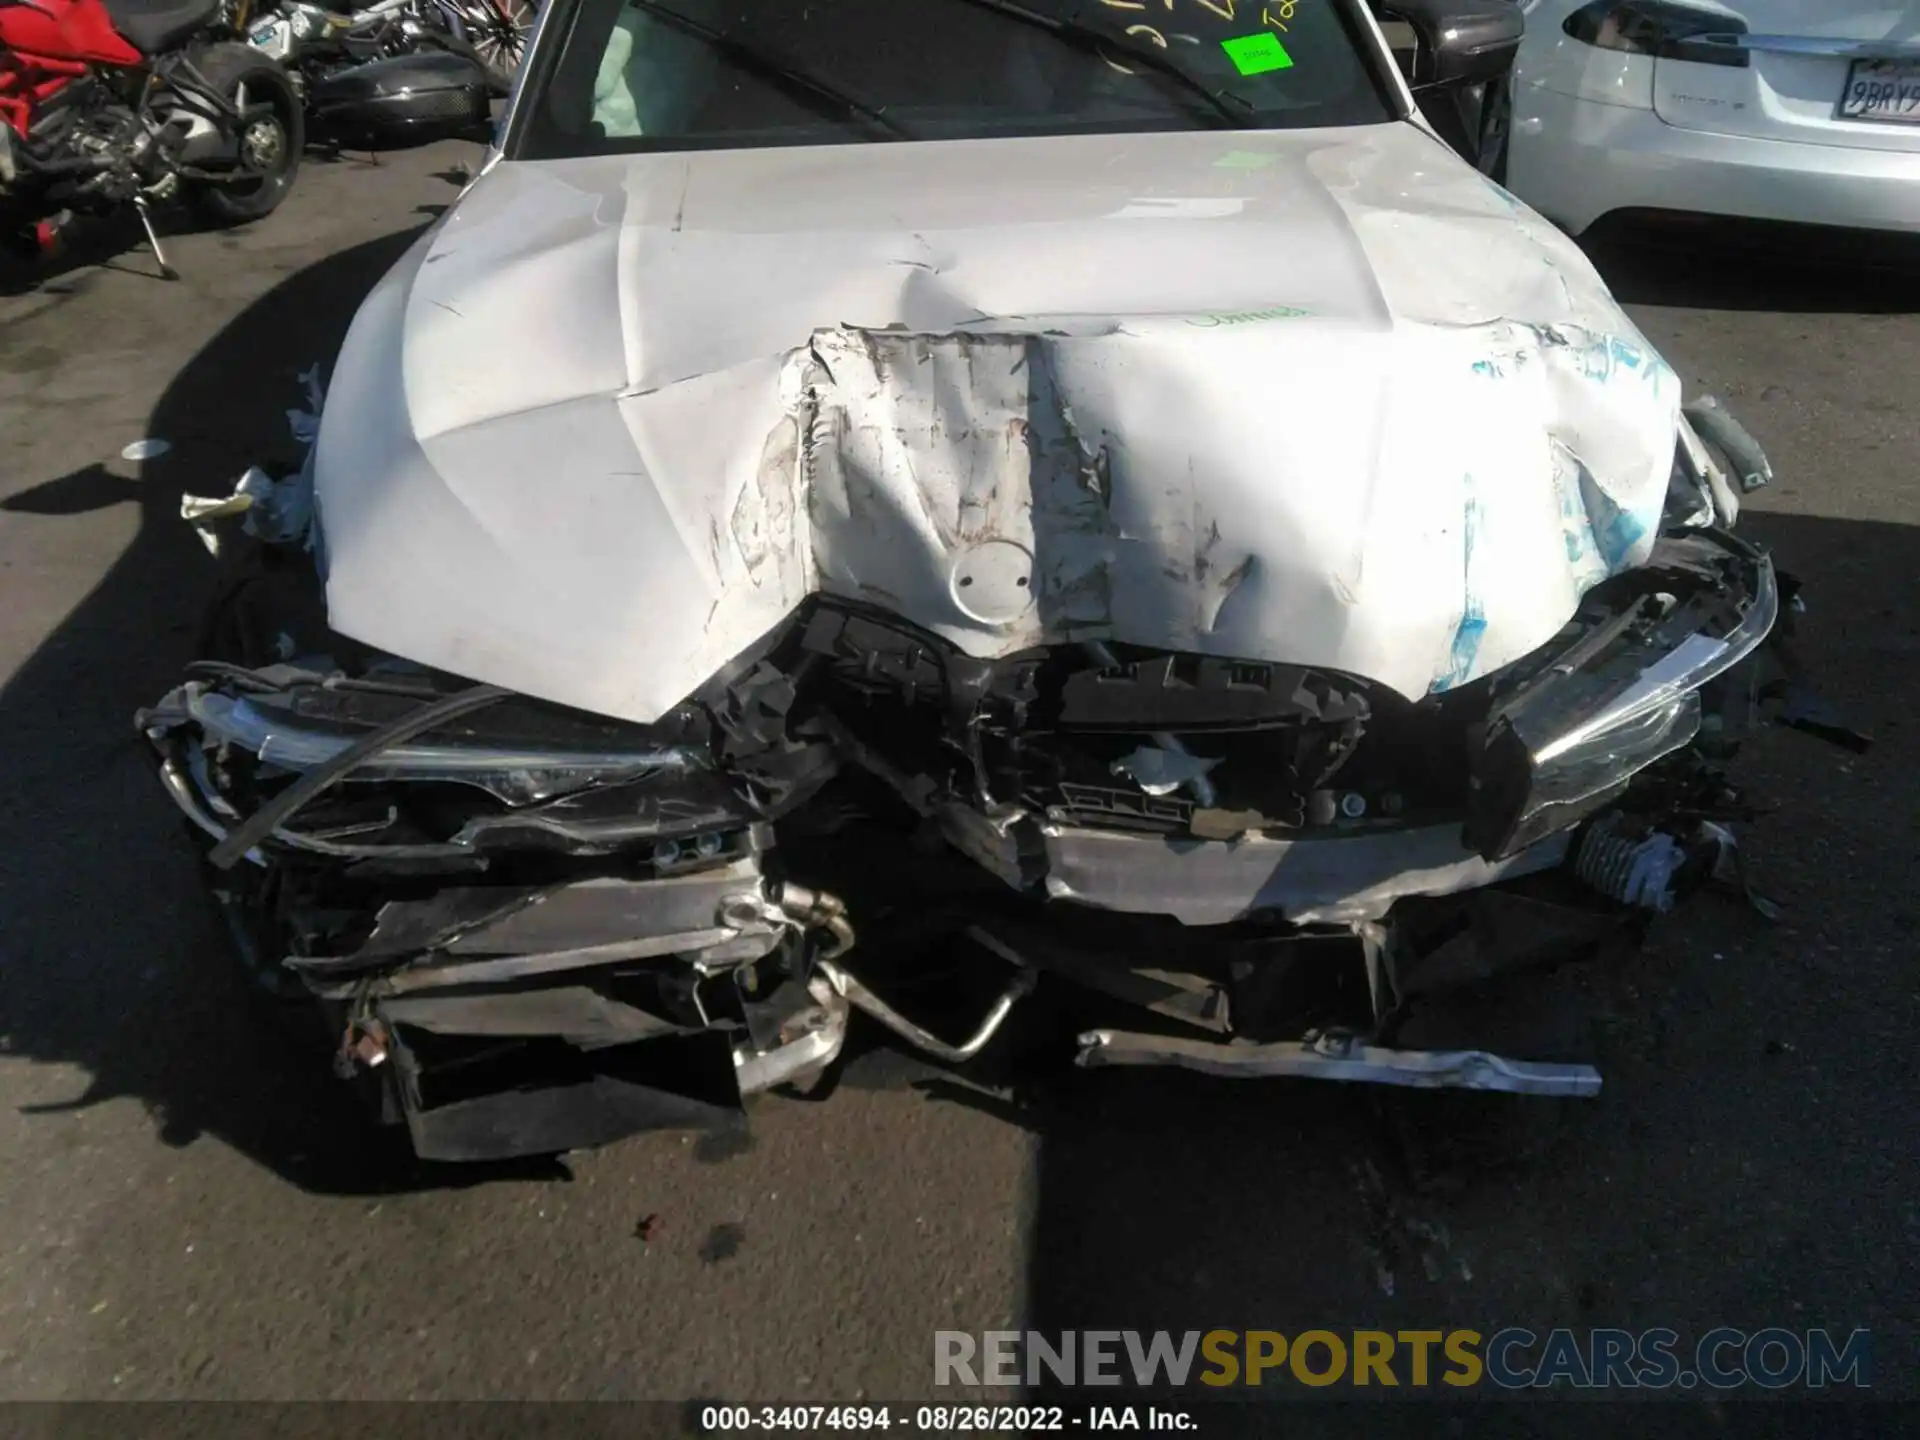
(533, 930)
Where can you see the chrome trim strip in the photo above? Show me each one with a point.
(236, 722)
(1336, 1057)
(1814, 45)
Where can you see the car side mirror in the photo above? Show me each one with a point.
(1442, 44)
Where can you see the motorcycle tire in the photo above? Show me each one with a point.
(227, 67)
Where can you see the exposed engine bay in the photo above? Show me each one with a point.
(534, 928)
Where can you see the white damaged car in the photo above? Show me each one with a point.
(1088, 499)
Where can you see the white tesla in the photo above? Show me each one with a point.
(1791, 110)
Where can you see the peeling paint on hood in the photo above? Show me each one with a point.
(1354, 407)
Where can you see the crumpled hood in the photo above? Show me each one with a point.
(1322, 397)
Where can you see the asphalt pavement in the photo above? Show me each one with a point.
(183, 1214)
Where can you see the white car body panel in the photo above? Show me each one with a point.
(1320, 397)
(1597, 130)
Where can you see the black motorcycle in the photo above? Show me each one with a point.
(396, 72)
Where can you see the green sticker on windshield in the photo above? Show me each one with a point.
(1257, 54)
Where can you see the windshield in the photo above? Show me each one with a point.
(641, 75)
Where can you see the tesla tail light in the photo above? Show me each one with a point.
(1668, 29)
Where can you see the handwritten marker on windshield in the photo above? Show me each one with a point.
(1257, 54)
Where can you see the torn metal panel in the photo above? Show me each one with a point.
(606, 910)
(576, 1014)
(471, 937)
(1335, 1057)
(897, 397)
(1322, 880)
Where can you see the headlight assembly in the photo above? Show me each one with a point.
(1625, 692)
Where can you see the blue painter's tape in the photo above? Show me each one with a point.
(1617, 539)
(1615, 530)
(1472, 629)
(1466, 649)
(1596, 360)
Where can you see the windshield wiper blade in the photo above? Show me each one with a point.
(1076, 32)
(774, 67)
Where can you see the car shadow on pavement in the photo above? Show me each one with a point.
(113, 960)
(112, 244)
(113, 241)
(1707, 263)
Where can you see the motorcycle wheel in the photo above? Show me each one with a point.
(270, 146)
(498, 31)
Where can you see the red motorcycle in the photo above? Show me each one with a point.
(105, 103)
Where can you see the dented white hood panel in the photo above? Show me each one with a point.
(1322, 397)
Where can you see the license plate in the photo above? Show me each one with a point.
(1885, 90)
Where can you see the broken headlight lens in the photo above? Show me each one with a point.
(1570, 743)
(517, 774)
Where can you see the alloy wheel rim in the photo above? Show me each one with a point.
(263, 146)
(501, 40)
